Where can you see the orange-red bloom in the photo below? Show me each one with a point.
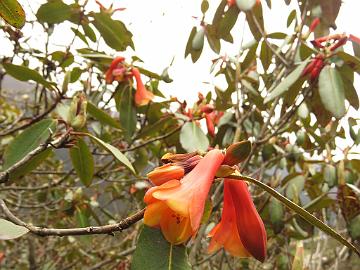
(142, 95)
(241, 231)
(116, 70)
(178, 206)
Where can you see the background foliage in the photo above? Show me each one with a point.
(97, 174)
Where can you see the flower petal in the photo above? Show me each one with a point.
(250, 226)
(148, 198)
(153, 213)
(175, 228)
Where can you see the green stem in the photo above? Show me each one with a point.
(299, 210)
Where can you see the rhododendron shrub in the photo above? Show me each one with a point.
(113, 172)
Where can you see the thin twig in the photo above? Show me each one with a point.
(106, 229)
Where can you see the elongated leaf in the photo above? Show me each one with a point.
(27, 141)
(255, 18)
(192, 138)
(153, 252)
(12, 12)
(23, 73)
(266, 55)
(113, 32)
(126, 108)
(114, 151)
(55, 11)
(300, 211)
(9, 230)
(82, 161)
(285, 84)
(331, 90)
(32, 164)
(102, 116)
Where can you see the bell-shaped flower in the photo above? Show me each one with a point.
(225, 234)
(115, 65)
(178, 206)
(241, 231)
(142, 95)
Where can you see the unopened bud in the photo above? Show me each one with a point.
(77, 111)
(237, 153)
(172, 158)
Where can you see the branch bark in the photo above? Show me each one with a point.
(106, 229)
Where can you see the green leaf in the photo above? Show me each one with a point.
(331, 90)
(294, 187)
(23, 73)
(27, 141)
(330, 175)
(300, 211)
(153, 252)
(266, 55)
(9, 230)
(114, 151)
(102, 116)
(125, 106)
(276, 213)
(258, 14)
(227, 22)
(198, 40)
(12, 12)
(55, 11)
(285, 84)
(82, 161)
(113, 32)
(350, 60)
(89, 32)
(192, 138)
(32, 164)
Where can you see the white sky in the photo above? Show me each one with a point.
(161, 29)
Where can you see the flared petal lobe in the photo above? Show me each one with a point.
(142, 95)
(166, 173)
(225, 234)
(249, 224)
(182, 203)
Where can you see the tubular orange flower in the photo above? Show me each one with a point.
(166, 173)
(225, 234)
(115, 65)
(250, 226)
(241, 231)
(142, 95)
(178, 206)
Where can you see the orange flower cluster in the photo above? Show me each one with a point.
(118, 71)
(176, 205)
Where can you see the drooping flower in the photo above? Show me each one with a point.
(142, 95)
(225, 234)
(116, 69)
(178, 206)
(249, 236)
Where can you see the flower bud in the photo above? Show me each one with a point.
(77, 112)
(172, 158)
(237, 153)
